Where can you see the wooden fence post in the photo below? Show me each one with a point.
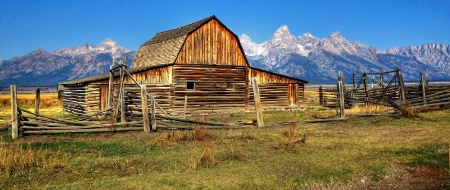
(185, 106)
(122, 91)
(401, 84)
(258, 107)
(153, 113)
(340, 87)
(14, 113)
(321, 95)
(37, 101)
(111, 84)
(365, 88)
(144, 104)
(422, 85)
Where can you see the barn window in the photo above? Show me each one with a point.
(190, 85)
(230, 86)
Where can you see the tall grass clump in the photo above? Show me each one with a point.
(198, 133)
(207, 157)
(18, 160)
(368, 109)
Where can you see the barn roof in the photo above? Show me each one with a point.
(165, 46)
(103, 77)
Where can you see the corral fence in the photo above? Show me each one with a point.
(372, 88)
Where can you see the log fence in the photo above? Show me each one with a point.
(395, 93)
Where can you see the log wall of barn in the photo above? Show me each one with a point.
(215, 88)
(93, 100)
(161, 92)
(74, 99)
(212, 44)
(276, 90)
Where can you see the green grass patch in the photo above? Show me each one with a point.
(287, 154)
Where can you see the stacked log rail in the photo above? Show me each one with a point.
(328, 96)
(374, 95)
(31, 123)
(441, 98)
(74, 100)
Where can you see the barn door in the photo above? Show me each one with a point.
(292, 94)
(103, 97)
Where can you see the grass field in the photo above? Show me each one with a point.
(377, 152)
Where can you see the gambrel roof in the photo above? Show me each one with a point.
(165, 46)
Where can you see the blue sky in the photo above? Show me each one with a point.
(26, 25)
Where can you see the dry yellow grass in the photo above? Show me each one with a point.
(19, 159)
(368, 109)
(28, 100)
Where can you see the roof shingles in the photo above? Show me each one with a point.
(165, 46)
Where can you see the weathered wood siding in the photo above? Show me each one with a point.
(211, 44)
(216, 88)
(276, 90)
(271, 95)
(267, 78)
(93, 100)
(162, 75)
(161, 92)
(74, 99)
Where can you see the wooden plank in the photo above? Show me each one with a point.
(395, 105)
(14, 113)
(37, 101)
(121, 91)
(153, 113)
(56, 126)
(193, 121)
(144, 104)
(258, 106)
(84, 130)
(185, 106)
(54, 119)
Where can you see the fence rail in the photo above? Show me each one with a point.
(418, 95)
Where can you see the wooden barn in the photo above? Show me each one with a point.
(200, 66)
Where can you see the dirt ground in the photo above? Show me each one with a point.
(401, 176)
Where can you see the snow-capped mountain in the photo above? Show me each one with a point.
(42, 68)
(318, 60)
(107, 46)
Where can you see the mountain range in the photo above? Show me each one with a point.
(42, 68)
(318, 60)
(306, 57)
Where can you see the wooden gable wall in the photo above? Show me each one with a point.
(211, 44)
(268, 78)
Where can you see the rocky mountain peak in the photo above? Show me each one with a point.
(336, 36)
(109, 45)
(307, 35)
(282, 32)
(38, 51)
(307, 39)
(250, 46)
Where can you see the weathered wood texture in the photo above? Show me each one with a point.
(14, 113)
(276, 95)
(257, 100)
(215, 88)
(212, 44)
(267, 77)
(74, 99)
